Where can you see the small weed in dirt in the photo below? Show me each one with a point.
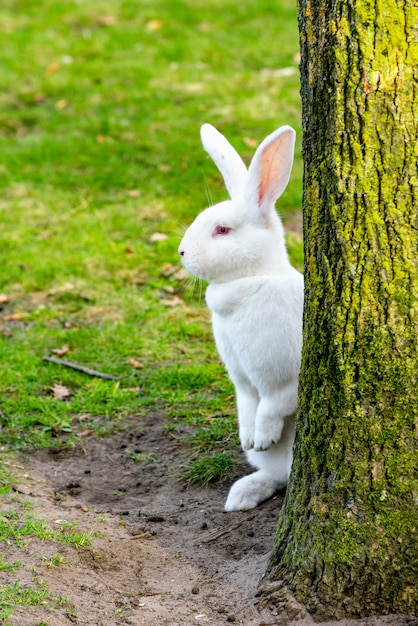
(21, 529)
(55, 561)
(8, 567)
(211, 468)
(14, 595)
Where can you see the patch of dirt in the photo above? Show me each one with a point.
(168, 555)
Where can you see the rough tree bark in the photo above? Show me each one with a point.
(347, 535)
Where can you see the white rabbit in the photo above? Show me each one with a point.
(256, 299)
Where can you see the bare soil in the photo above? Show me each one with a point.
(167, 554)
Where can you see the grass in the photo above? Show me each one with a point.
(14, 595)
(209, 468)
(14, 527)
(101, 170)
(101, 105)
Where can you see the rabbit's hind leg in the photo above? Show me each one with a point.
(248, 492)
(273, 472)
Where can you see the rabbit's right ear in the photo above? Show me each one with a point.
(269, 171)
(226, 159)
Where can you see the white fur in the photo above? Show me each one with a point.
(256, 299)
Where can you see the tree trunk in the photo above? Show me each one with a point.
(347, 535)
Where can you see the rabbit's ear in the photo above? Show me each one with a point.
(270, 169)
(226, 159)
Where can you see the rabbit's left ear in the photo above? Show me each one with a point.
(270, 169)
(226, 159)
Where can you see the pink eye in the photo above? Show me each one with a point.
(221, 230)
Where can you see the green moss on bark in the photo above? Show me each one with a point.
(347, 535)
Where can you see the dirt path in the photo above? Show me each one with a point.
(168, 554)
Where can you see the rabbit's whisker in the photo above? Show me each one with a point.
(208, 193)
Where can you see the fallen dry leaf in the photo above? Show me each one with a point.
(96, 312)
(60, 392)
(205, 26)
(140, 280)
(158, 237)
(54, 67)
(194, 87)
(146, 535)
(44, 234)
(172, 302)
(250, 142)
(13, 317)
(3, 298)
(168, 270)
(61, 104)
(153, 25)
(137, 364)
(85, 433)
(164, 168)
(182, 274)
(107, 20)
(134, 193)
(61, 351)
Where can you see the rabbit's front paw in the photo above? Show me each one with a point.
(267, 433)
(263, 443)
(246, 437)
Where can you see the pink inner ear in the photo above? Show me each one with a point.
(274, 171)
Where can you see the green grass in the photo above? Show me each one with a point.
(20, 530)
(209, 468)
(100, 108)
(14, 595)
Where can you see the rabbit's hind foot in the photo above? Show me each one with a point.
(248, 492)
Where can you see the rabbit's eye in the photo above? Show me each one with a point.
(221, 230)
